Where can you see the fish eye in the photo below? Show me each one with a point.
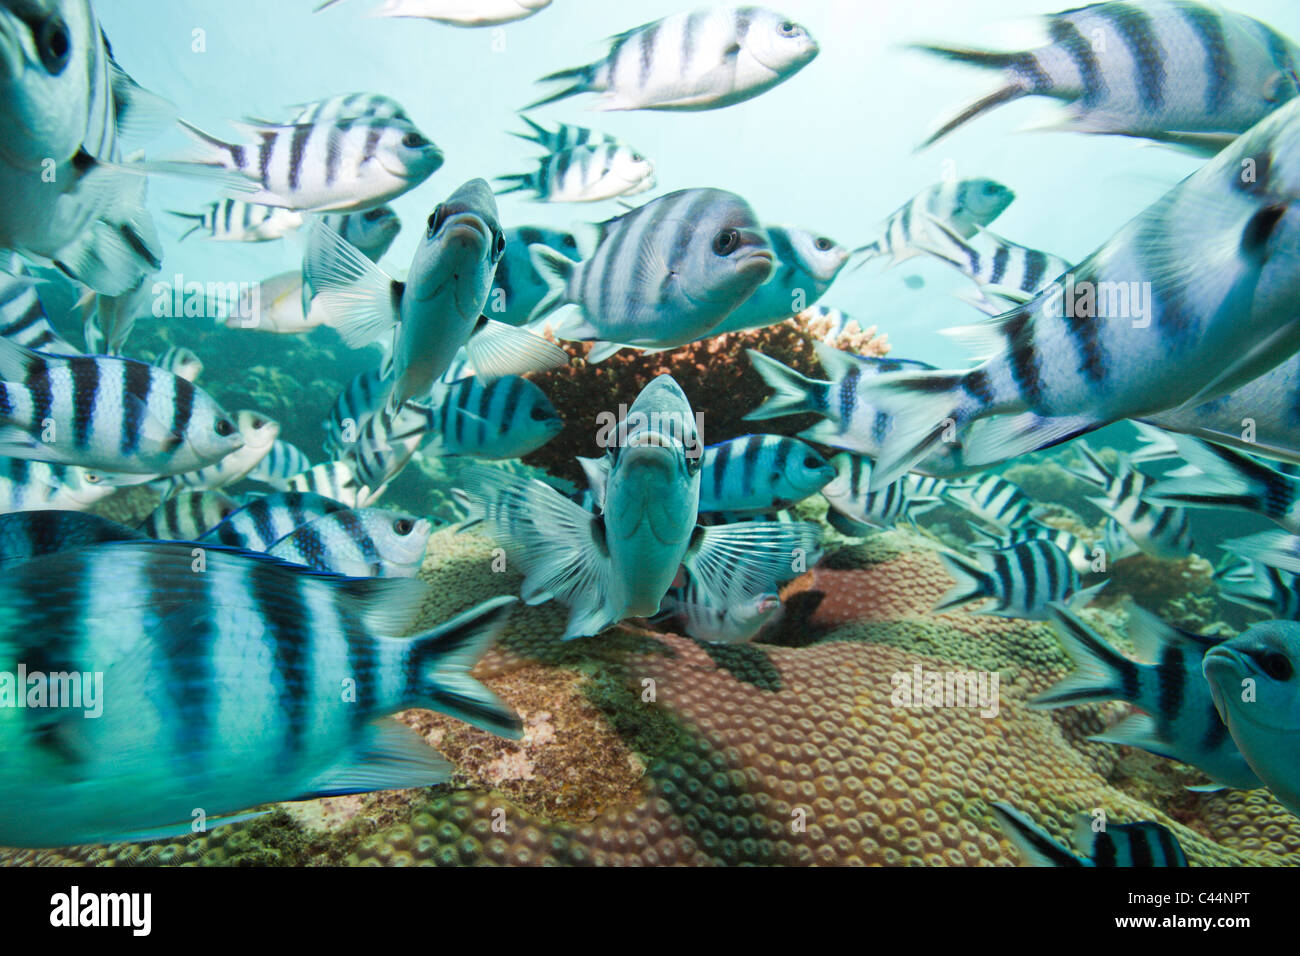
(54, 44)
(638, 158)
(403, 526)
(788, 29)
(435, 220)
(812, 462)
(374, 215)
(540, 414)
(824, 244)
(569, 242)
(224, 427)
(91, 478)
(498, 245)
(414, 141)
(1275, 664)
(725, 242)
(259, 423)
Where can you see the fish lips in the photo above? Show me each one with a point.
(1224, 668)
(648, 469)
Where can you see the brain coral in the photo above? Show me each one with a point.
(647, 748)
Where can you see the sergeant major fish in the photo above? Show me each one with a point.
(261, 523)
(1146, 843)
(361, 543)
(585, 174)
(1023, 580)
(188, 515)
(964, 205)
(233, 220)
(760, 474)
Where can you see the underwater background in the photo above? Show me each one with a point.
(642, 746)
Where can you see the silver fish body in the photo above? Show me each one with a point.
(360, 543)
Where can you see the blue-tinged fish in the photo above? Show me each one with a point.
(1117, 844)
(1276, 549)
(857, 512)
(22, 317)
(188, 515)
(1221, 478)
(259, 434)
(1171, 70)
(1190, 300)
(505, 418)
(1023, 580)
(458, 13)
(1177, 718)
(344, 107)
(373, 231)
(664, 274)
(760, 474)
(963, 205)
(517, 287)
(850, 422)
(736, 622)
(387, 442)
(1253, 679)
(1081, 553)
(65, 108)
(806, 265)
(27, 485)
(29, 534)
(233, 220)
(563, 136)
(702, 60)
(1159, 530)
(108, 414)
(1005, 272)
(337, 480)
(261, 523)
(585, 174)
(439, 307)
(128, 623)
(281, 463)
(179, 361)
(993, 499)
(360, 543)
(621, 562)
(360, 399)
(1262, 587)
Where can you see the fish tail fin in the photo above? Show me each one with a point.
(1100, 672)
(539, 133)
(1226, 478)
(519, 181)
(1009, 93)
(211, 151)
(794, 394)
(972, 582)
(556, 269)
(194, 217)
(441, 660)
(584, 75)
(1036, 846)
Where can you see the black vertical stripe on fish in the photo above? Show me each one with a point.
(688, 36)
(373, 135)
(55, 646)
(1170, 676)
(1067, 36)
(279, 603)
(1208, 27)
(1035, 268)
(1279, 50)
(1056, 581)
(198, 520)
(1216, 731)
(749, 462)
(720, 460)
(1000, 259)
(977, 385)
(263, 162)
(137, 382)
(1104, 850)
(647, 35)
(1019, 332)
(356, 532)
(181, 629)
(848, 397)
(1001, 579)
(39, 387)
(184, 407)
(333, 157)
(1028, 565)
(85, 394)
(1140, 849)
(1085, 333)
(363, 664)
(510, 406)
(1138, 33)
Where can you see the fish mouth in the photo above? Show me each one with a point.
(1223, 667)
(416, 172)
(466, 229)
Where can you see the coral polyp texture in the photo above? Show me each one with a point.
(645, 748)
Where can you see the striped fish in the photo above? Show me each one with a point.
(233, 220)
(517, 287)
(993, 499)
(857, 512)
(360, 399)
(261, 523)
(963, 205)
(348, 106)
(288, 677)
(1006, 273)
(703, 60)
(387, 441)
(662, 275)
(1264, 588)
(564, 136)
(109, 414)
(1119, 844)
(281, 463)
(362, 543)
(372, 231)
(505, 418)
(68, 108)
(737, 622)
(180, 361)
(621, 562)
(1080, 553)
(1221, 478)
(806, 265)
(1277, 549)
(188, 515)
(337, 480)
(259, 434)
(22, 317)
(1177, 718)
(760, 474)
(1196, 295)
(30, 534)
(1023, 580)
(850, 422)
(458, 13)
(37, 486)
(1161, 531)
(585, 174)
(342, 165)
(1171, 70)
(439, 308)
(1258, 418)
